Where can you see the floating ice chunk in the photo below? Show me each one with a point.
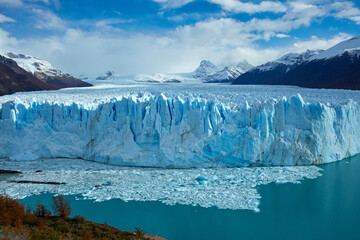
(202, 180)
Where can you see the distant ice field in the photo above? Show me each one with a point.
(227, 94)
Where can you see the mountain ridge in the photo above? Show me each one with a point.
(334, 68)
(21, 73)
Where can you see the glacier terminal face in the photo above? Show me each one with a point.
(182, 127)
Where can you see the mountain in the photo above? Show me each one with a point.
(158, 78)
(111, 77)
(205, 69)
(38, 75)
(15, 79)
(106, 76)
(336, 68)
(210, 73)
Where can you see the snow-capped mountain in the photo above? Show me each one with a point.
(34, 65)
(158, 78)
(207, 72)
(30, 74)
(337, 67)
(111, 77)
(106, 76)
(15, 79)
(244, 66)
(210, 73)
(351, 46)
(290, 59)
(205, 69)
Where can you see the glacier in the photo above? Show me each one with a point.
(158, 125)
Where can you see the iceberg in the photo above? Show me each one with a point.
(192, 126)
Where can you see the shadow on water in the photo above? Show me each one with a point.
(323, 208)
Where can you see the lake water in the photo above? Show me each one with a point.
(327, 207)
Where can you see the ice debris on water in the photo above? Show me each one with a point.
(225, 188)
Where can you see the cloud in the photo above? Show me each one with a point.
(303, 10)
(319, 43)
(104, 46)
(231, 5)
(48, 20)
(221, 40)
(281, 35)
(111, 21)
(55, 3)
(346, 10)
(173, 3)
(11, 3)
(4, 18)
(249, 7)
(6, 40)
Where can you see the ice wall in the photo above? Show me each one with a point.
(182, 132)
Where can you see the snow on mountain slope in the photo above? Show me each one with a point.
(229, 73)
(162, 125)
(351, 46)
(205, 69)
(243, 66)
(45, 72)
(337, 68)
(33, 64)
(118, 79)
(209, 73)
(289, 59)
(106, 76)
(225, 75)
(158, 78)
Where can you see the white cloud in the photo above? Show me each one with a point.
(221, 39)
(281, 35)
(249, 7)
(346, 10)
(48, 20)
(111, 21)
(173, 3)
(11, 3)
(4, 18)
(304, 10)
(6, 40)
(318, 43)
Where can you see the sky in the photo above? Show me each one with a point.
(170, 36)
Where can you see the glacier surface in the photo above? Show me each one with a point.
(159, 125)
(224, 188)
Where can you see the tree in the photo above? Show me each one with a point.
(61, 206)
(140, 234)
(41, 211)
(11, 212)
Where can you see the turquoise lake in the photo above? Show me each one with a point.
(327, 207)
